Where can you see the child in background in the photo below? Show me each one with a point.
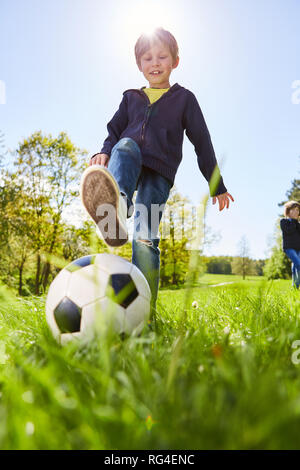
(291, 238)
(143, 151)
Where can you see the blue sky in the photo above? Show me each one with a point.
(66, 63)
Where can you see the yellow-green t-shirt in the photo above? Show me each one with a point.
(155, 93)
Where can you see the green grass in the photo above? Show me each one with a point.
(214, 279)
(220, 278)
(215, 376)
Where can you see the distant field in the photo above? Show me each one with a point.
(214, 279)
(220, 375)
(219, 278)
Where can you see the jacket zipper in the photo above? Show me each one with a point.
(149, 106)
(145, 122)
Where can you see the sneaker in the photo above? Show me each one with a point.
(98, 186)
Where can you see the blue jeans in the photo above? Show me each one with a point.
(294, 256)
(125, 164)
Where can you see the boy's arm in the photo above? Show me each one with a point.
(115, 127)
(198, 134)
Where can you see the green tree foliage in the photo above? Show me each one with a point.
(125, 251)
(15, 237)
(174, 228)
(219, 264)
(258, 266)
(278, 266)
(224, 264)
(242, 264)
(177, 229)
(33, 195)
(293, 194)
(50, 169)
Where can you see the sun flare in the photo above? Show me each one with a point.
(142, 17)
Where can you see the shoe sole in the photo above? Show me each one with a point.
(99, 187)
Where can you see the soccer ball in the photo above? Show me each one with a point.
(94, 292)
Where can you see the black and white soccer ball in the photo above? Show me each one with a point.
(95, 291)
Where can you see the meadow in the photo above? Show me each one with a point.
(219, 371)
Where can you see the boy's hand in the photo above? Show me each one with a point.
(223, 200)
(99, 159)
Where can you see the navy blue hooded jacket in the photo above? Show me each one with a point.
(290, 234)
(158, 129)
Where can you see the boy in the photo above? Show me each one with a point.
(143, 151)
(291, 238)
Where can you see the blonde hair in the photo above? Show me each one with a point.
(159, 34)
(290, 205)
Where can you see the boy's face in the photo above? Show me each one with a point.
(157, 65)
(294, 213)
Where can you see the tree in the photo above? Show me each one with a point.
(180, 223)
(174, 229)
(15, 240)
(242, 264)
(49, 169)
(258, 266)
(219, 264)
(293, 193)
(278, 266)
(65, 164)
